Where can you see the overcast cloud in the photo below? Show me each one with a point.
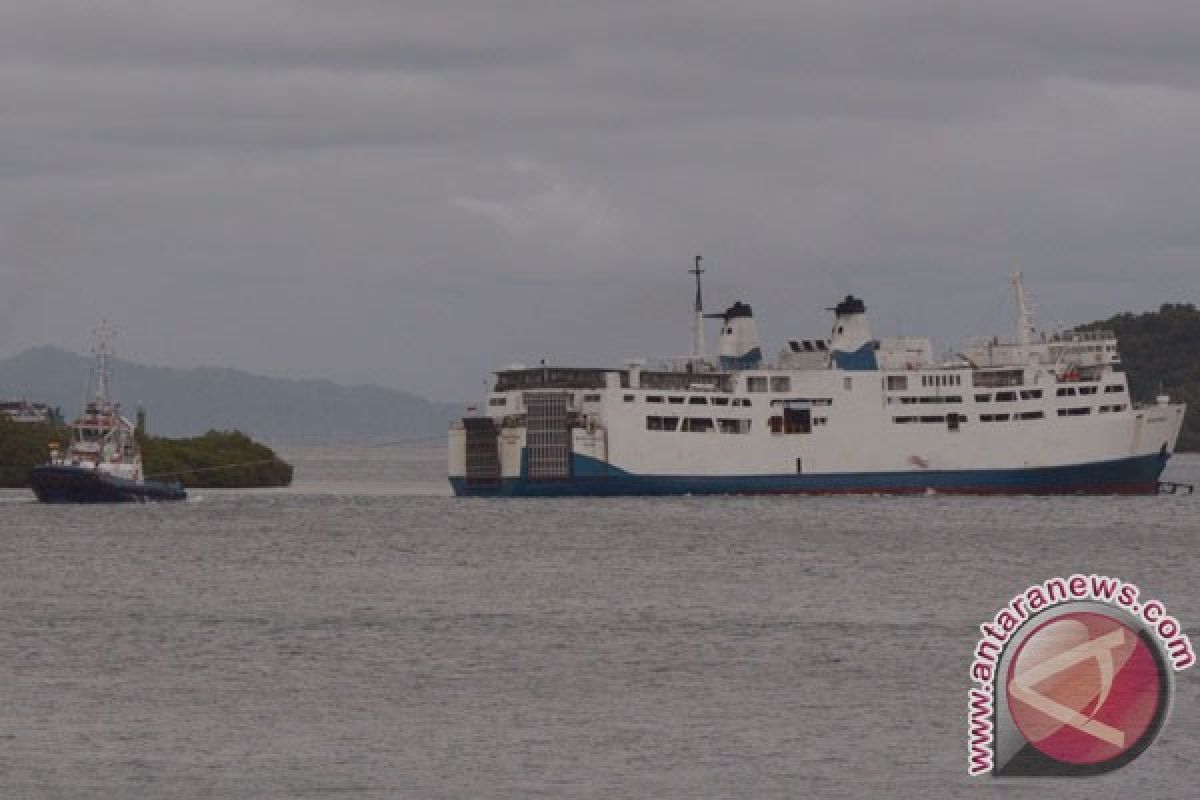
(414, 193)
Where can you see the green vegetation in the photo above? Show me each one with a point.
(22, 447)
(218, 459)
(1161, 352)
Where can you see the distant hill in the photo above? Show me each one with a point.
(1161, 351)
(189, 402)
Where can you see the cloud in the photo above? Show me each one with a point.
(547, 207)
(414, 192)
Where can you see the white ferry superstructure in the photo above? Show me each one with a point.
(1041, 414)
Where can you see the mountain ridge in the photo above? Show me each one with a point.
(190, 401)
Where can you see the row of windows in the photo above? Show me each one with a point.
(776, 383)
(803, 401)
(895, 383)
(697, 425)
(694, 400)
(941, 380)
(998, 378)
(908, 401)
(1020, 415)
(795, 420)
(1081, 411)
(899, 383)
(784, 423)
(957, 419)
(1010, 397)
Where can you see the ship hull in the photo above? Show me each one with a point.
(1135, 475)
(68, 484)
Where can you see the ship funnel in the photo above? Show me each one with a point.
(850, 343)
(739, 348)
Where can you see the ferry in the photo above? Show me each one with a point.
(1040, 413)
(102, 463)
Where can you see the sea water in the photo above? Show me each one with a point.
(363, 634)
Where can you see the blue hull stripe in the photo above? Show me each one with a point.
(592, 478)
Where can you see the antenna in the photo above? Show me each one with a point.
(698, 319)
(103, 352)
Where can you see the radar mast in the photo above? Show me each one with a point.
(698, 319)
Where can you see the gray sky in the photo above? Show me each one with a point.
(413, 193)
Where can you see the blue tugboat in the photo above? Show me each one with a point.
(103, 463)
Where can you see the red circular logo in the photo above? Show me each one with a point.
(1085, 688)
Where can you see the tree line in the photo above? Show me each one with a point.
(1160, 352)
(216, 460)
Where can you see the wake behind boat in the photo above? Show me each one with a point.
(102, 463)
(1045, 413)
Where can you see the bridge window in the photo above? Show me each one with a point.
(733, 425)
(897, 383)
(756, 383)
(781, 383)
(791, 421)
(697, 425)
(698, 401)
(994, 378)
(662, 423)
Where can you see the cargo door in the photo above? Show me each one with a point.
(483, 451)
(548, 436)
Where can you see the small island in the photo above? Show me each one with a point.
(216, 460)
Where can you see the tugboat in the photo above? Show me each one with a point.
(103, 463)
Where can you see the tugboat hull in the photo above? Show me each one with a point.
(69, 484)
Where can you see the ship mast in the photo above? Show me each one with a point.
(103, 352)
(698, 319)
(1025, 326)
